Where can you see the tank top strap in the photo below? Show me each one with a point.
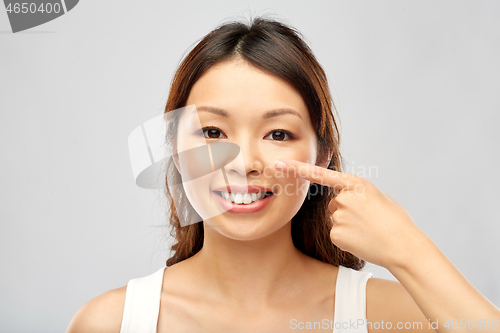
(350, 301)
(142, 303)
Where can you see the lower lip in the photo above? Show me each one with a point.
(242, 208)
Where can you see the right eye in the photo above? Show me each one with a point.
(212, 132)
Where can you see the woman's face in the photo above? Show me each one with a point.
(247, 96)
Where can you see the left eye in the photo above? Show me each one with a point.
(280, 135)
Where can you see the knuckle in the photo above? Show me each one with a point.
(315, 173)
(360, 189)
(364, 183)
(361, 181)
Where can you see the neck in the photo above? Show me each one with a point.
(251, 273)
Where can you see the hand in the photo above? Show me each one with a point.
(366, 222)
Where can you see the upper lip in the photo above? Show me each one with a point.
(243, 189)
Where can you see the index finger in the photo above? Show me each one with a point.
(314, 173)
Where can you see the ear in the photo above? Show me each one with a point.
(324, 160)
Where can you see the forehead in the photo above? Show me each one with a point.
(238, 86)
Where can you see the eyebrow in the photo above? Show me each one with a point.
(267, 115)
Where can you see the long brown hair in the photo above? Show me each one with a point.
(278, 49)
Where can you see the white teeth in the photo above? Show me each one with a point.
(238, 198)
(242, 198)
(247, 198)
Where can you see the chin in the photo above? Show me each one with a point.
(243, 229)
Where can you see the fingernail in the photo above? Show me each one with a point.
(279, 164)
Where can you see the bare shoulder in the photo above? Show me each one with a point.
(102, 314)
(388, 301)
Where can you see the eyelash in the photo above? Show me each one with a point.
(289, 134)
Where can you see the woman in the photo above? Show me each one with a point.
(293, 260)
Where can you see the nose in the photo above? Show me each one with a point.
(249, 162)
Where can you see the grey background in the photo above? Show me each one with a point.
(416, 85)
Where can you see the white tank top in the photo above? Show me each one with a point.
(142, 302)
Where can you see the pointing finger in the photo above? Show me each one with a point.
(314, 173)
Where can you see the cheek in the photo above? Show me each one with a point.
(293, 190)
(303, 151)
(201, 198)
(188, 135)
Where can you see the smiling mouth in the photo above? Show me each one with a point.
(243, 198)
